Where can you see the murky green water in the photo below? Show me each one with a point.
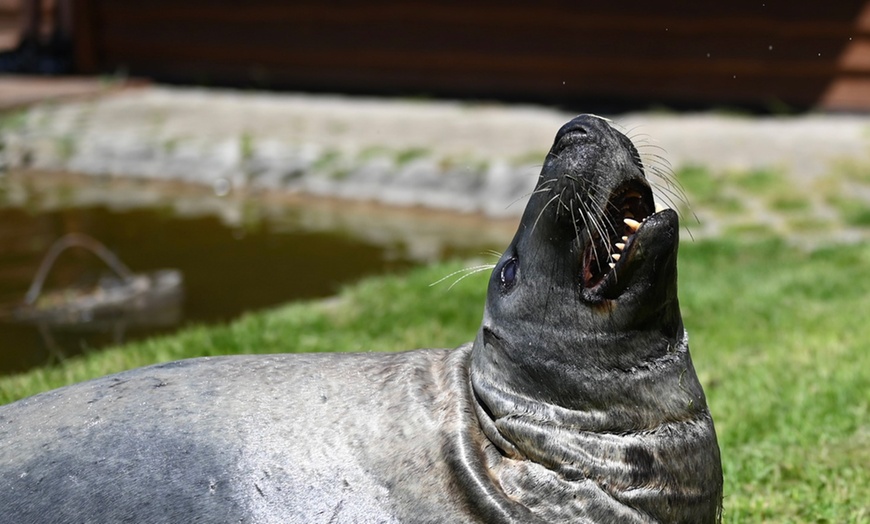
(235, 254)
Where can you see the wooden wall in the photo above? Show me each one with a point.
(801, 53)
(10, 24)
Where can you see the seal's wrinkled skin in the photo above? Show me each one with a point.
(576, 402)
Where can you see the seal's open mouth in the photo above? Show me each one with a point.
(611, 241)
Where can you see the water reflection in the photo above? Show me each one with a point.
(116, 300)
(237, 253)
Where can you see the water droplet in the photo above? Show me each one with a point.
(770, 48)
(221, 187)
(708, 55)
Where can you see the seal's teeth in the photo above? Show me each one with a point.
(612, 265)
(619, 245)
(624, 239)
(659, 208)
(632, 224)
(615, 256)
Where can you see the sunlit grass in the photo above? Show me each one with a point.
(853, 211)
(779, 339)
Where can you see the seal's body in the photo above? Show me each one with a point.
(284, 438)
(576, 402)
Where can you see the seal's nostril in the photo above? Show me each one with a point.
(573, 129)
(572, 134)
(582, 129)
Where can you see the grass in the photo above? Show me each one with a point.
(780, 344)
(761, 202)
(853, 211)
(761, 181)
(710, 191)
(778, 337)
(408, 155)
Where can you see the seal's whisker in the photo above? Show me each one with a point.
(673, 196)
(468, 272)
(640, 139)
(665, 174)
(644, 146)
(543, 208)
(601, 231)
(673, 188)
(584, 215)
(561, 203)
(674, 185)
(658, 157)
(540, 189)
(542, 184)
(604, 226)
(595, 183)
(669, 198)
(659, 165)
(492, 253)
(689, 231)
(626, 130)
(589, 181)
(574, 220)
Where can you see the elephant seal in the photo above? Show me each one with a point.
(576, 402)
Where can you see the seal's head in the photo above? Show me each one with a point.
(581, 364)
(589, 280)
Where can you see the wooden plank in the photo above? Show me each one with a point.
(86, 21)
(663, 50)
(847, 93)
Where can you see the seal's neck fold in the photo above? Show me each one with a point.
(654, 392)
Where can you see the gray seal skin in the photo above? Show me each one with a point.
(576, 402)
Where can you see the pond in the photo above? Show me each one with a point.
(236, 253)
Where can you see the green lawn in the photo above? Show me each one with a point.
(779, 336)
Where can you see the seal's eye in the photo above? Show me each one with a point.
(508, 273)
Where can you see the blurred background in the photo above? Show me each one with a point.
(764, 55)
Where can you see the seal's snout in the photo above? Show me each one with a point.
(590, 204)
(593, 196)
(581, 130)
